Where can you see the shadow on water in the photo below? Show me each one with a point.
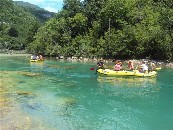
(127, 87)
(127, 81)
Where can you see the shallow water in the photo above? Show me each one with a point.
(61, 95)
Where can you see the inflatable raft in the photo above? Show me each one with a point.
(36, 60)
(158, 68)
(147, 74)
(109, 72)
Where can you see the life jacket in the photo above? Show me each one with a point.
(117, 67)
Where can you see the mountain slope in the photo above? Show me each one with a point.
(40, 13)
(17, 26)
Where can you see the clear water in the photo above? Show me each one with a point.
(61, 95)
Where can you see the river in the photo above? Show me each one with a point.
(65, 95)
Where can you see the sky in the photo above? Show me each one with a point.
(50, 5)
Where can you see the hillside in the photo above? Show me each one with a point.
(40, 13)
(17, 26)
(109, 29)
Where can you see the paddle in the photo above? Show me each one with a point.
(92, 68)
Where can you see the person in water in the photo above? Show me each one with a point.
(38, 58)
(130, 65)
(41, 57)
(100, 64)
(151, 66)
(143, 67)
(118, 66)
(33, 57)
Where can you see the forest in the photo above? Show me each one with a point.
(108, 29)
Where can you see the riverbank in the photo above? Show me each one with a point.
(109, 62)
(106, 61)
(13, 54)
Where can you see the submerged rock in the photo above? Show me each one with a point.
(29, 74)
(22, 93)
(67, 101)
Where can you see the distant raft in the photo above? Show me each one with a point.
(109, 72)
(158, 68)
(38, 60)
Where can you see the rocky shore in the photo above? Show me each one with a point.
(112, 61)
(106, 61)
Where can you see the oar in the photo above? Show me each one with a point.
(92, 68)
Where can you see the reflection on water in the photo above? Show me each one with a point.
(128, 87)
(38, 64)
(127, 81)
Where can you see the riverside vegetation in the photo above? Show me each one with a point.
(105, 28)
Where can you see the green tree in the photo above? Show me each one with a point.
(72, 7)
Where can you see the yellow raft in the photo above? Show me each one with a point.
(109, 72)
(147, 74)
(158, 68)
(36, 60)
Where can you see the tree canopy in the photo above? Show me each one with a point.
(17, 27)
(104, 28)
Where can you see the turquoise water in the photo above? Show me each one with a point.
(63, 95)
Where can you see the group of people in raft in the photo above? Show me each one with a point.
(143, 68)
(34, 57)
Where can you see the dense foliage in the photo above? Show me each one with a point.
(17, 27)
(108, 29)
